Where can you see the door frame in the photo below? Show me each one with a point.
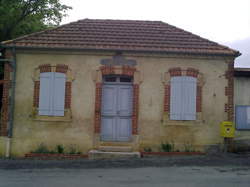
(119, 70)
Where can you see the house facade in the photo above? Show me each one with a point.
(242, 107)
(97, 83)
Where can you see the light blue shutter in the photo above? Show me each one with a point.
(59, 94)
(183, 98)
(242, 117)
(189, 85)
(45, 95)
(175, 98)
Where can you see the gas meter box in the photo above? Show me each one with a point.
(227, 129)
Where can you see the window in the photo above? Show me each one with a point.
(52, 94)
(118, 79)
(183, 98)
(242, 117)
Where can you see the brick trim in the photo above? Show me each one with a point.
(229, 91)
(36, 93)
(5, 101)
(60, 68)
(112, 70)
(135, 109)
(98, 100)
(68, 95)
(167, 98)
(45, 68)
(177, 71)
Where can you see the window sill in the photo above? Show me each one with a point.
(52, 119)
(66, 118)
(182, 123)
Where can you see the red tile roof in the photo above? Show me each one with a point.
(122, 35)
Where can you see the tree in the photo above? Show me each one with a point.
(20, 17)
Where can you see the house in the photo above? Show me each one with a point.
(96, 83)
(242, 108)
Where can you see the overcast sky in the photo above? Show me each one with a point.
(223, 21)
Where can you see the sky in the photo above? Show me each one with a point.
(224, 21)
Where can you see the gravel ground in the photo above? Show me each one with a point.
(238, 160)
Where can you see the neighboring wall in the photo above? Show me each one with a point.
(29, 133)
(2, 146)
(242, 97)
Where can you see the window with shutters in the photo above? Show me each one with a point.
(242, 117)
(52, 93)
(183, 98)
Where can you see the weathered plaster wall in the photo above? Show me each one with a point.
(241, 97)
(28, 133)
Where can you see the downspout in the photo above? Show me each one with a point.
(11, 105)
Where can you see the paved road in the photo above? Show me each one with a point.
(229, 176)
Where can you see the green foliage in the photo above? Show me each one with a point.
(147, 149)
(20, 17)
(188, 147)
(167, 147)
(41, 149)
(60, 149)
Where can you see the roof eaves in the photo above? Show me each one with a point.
(124, 50)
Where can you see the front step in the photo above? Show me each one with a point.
(115, 148)
(96, 154)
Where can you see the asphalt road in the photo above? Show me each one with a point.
(207, 176)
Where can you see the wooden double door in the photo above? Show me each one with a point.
(116, 111)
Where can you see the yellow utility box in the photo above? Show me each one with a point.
(227, 129)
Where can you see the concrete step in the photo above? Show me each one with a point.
(96, 154)
(115, 148)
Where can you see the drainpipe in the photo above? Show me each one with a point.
(12, 102)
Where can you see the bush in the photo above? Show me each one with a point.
(60, 149)
(167, 147)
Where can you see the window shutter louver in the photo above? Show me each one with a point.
(45, 99)
(59, 94)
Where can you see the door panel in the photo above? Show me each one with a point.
(109, 94)
(108, 128)
(125, 100)
(124, 129)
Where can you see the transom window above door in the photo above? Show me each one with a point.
(117, 79)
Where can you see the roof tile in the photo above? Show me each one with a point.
(128, 35)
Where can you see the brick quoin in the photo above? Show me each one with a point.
(229, 92)
(177, 71)
(126, 71)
